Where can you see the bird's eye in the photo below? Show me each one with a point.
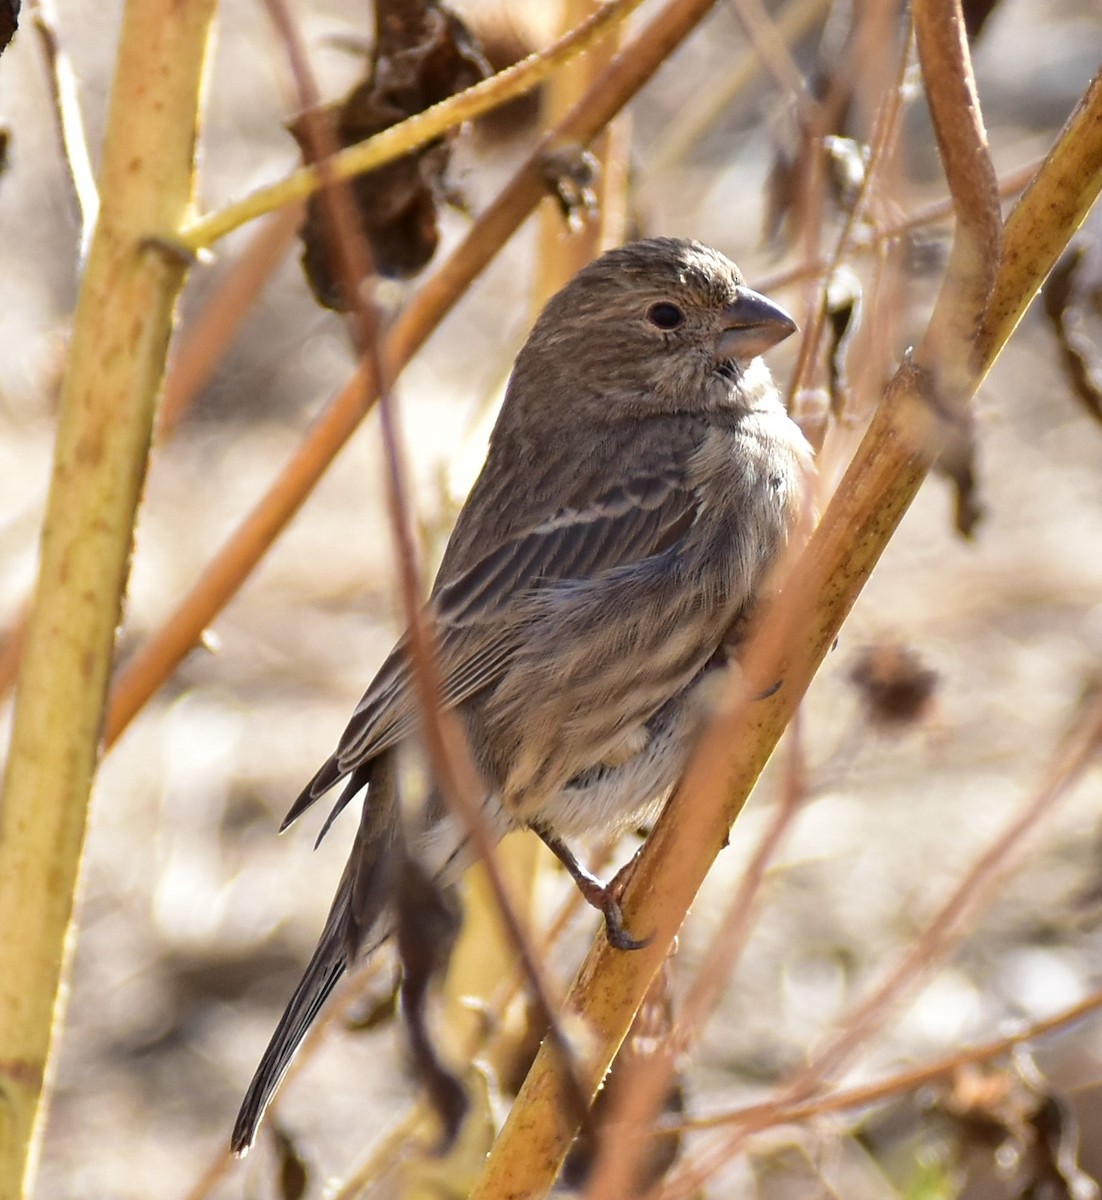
(665, 315)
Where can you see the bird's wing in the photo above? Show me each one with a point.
(475, 612)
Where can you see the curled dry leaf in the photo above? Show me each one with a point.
(423, 54)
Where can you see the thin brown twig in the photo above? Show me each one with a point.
(975, 891)
(765, 36)
(949, 345)
(700, 112)
(866, 44)
(929, 214)
(847, 1099)
(885, 132)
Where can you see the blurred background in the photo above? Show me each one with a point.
(935, 718)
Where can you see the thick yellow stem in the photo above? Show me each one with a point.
(120, 338)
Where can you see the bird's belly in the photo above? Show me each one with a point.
(614, 794)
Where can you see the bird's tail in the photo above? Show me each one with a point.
(326, 967)
(352, 926)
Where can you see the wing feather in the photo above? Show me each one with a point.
(478, 610)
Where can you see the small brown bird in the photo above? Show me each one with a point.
(641, 479)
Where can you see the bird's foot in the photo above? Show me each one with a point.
(605, 897)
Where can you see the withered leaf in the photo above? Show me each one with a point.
(428, 923)
(293, 1173)
(896, 686)
(423, 54)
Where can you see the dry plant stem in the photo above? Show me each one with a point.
(628, 1125)
(774, 1113)
(930, 214)
(770, 46)
(810, 204)
(11, 647)
(877, 489)
(736, 925)
(484, 953)
(944, 931)
(382, 1159)
(63, 88)
(120, 339)
(947, 346)
(155, 661)
(701, 111)
(415, 131)
(1058, 199)
(884, 135)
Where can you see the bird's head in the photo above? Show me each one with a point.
(661, 325)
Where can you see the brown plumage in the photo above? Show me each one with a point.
(641, 479)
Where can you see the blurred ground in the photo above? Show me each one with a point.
(196, 919)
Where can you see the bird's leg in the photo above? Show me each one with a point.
(602, 896)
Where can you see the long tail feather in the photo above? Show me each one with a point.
(353, 926)
(325, 969)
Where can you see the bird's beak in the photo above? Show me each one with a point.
(752, 325)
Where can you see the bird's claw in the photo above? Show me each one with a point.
(605, 897)
(618, 936)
